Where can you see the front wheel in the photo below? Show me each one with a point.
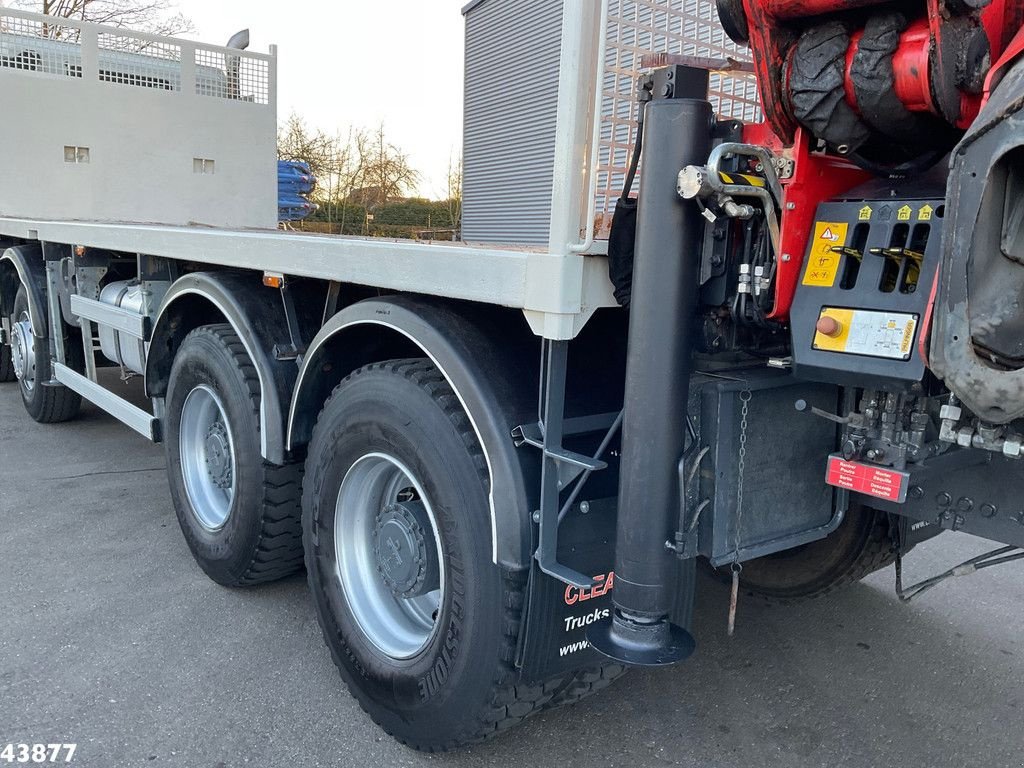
(420, 622)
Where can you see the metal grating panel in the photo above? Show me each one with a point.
(229, 76)
(36, 46)
(640, 27)
(512, 57)
(129, 60)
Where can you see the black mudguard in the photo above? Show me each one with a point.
(256, 314)
(487, 361)
(23, 265)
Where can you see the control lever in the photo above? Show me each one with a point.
(803, 406)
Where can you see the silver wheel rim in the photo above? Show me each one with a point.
(207, 452)
(398, 622)
(23, 351)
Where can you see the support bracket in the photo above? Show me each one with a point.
(560, 465)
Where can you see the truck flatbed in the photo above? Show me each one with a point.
(557, 292)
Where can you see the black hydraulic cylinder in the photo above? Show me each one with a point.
(677, 133)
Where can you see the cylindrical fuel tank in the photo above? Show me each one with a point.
(117, 347)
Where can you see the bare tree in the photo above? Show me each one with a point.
(296, 141)
(343, 172)
(386, 169)
(337, 162)
(360, 170)
(454, 195)
(157, 17)
(350, 169)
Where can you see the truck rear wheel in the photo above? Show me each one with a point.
(240, 514)
(420, 622)
(30, 359)
(860, 546)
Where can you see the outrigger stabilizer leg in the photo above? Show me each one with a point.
(677, 133)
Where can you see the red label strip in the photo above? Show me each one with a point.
(881, 483)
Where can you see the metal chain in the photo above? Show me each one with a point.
(737, 568)
(745, 397)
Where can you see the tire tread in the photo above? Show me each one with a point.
(279, 549)
(6, 364)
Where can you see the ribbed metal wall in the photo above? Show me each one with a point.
(512, 58)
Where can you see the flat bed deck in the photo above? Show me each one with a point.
(558, 293)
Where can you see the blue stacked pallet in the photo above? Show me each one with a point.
(295, 182)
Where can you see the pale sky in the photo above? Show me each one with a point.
(357, 63)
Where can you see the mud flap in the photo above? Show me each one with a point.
(558, 616)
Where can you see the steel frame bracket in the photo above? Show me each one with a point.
(560, 466)
(569, 463)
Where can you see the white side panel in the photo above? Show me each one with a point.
(104, 125)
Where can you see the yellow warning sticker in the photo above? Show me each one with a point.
(864, 332)
(865, 213)
(741, 178)
(904, 213)
(823, 262)
(925, 214)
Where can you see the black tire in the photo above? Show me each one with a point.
(261, 539)
(6, 364)
(584, 682)
(461, 686)
(47, 404)
(860, 546)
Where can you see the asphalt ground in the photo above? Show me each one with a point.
(111, 638)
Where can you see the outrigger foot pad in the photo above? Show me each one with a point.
(641, 644)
